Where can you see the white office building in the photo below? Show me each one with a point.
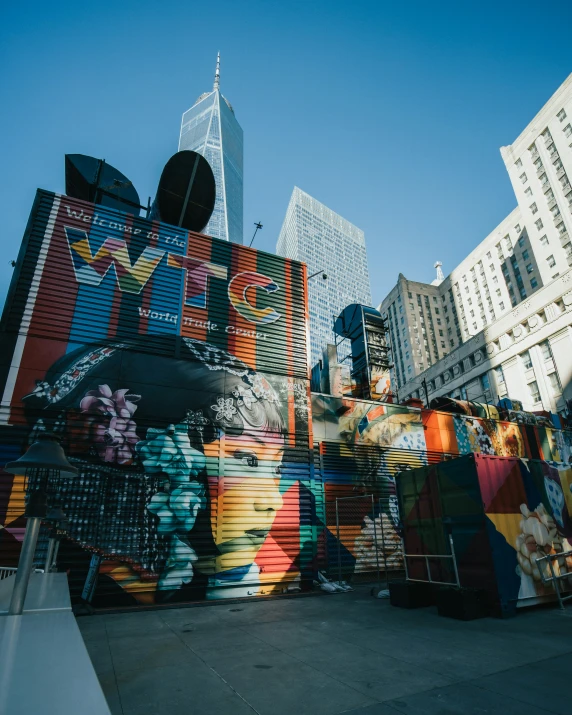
(528, 250)
(330, 246)
(525, 355)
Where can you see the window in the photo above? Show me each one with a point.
(533, 208)
(474, 326)
(523, 178)
(409, 295)
(539, 224)
(528, 192)
(546, 350)
(551, 261)
(472, 313)
(498, 292)
(518, 163)
(489, 255)
(561, 115)
(567, 130)
(526, 361)
(441, 333)
(544, 240)
(485, 382)
(499, 375)
(517, 228)
(534, 392)
(470, 301)
(407, 356)
(554, 381)
(525, 255)
(501, 305)
(521, 241)
(533, 283)
(495, 279)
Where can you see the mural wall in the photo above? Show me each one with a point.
(173, 367)
(363, 446)
(503, 515)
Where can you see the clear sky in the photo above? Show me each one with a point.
(392, 114)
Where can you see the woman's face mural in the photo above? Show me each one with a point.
(212, 473)
(249, 498)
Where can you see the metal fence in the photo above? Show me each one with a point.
(367, 547)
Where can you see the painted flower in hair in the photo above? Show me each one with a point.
(169, 451)
(179, 567)
(244, 396)
(177, 510)
(261, 388)
(224, 409)
(109, 423)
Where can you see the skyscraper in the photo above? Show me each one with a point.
(330, 245)
(210, 128)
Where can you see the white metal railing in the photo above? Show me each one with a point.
(6, 571)
(553, 578)
(429, 557)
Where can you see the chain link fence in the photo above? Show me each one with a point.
(367, 547)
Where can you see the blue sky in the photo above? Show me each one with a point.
(390, 113)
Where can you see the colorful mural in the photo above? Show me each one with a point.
(173, 368)
(363, 446)
(504, 514)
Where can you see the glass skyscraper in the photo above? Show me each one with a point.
(327, 243)
(210, 128)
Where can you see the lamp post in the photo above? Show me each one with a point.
(43, 465)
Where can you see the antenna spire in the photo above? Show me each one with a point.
(217, 73)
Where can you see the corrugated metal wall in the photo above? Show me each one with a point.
(173, 366)
(503, 513)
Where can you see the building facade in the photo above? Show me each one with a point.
(330, 246)
(524, 356)
(211, 129)
(526, 251)
(539, 164)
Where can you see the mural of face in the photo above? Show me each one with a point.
(246, 505)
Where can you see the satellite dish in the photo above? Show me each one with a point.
(94, 180)
(186, 193)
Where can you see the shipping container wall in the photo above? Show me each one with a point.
(503, 514)
(173, 367)
(363, 446)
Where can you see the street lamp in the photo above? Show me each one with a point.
(324, 275)
(43, 466)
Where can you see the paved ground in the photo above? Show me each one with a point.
(344, 653)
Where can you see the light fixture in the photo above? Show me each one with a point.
(43, 465)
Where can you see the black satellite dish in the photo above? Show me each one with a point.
(186, 193)
(95, 180)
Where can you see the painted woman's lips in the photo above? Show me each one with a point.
(258, 533)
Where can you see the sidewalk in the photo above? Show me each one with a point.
(330, 654)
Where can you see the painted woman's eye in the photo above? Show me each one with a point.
(247, 458)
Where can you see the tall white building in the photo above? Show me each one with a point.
(210, 128)
(529, 249)
(329, 245)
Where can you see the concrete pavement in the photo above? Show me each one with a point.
(323, 655)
